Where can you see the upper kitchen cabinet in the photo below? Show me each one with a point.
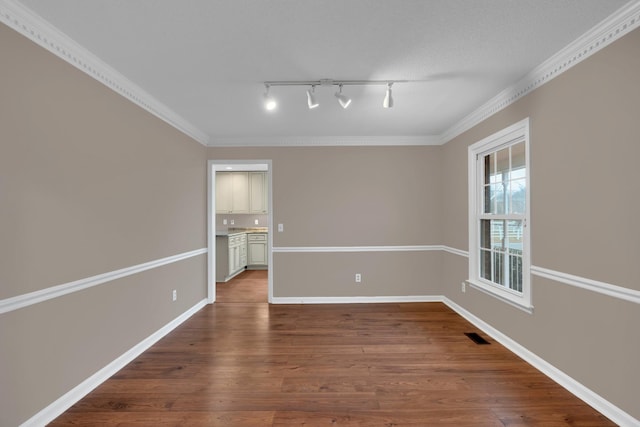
(242, 192)
(232, 192)
(258, 191)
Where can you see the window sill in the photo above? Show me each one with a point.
(527, 308)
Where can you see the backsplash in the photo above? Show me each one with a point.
(241, 220)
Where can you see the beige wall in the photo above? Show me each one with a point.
(89, 183)
(584, 221)
(353, 196)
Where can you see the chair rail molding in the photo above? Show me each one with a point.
(24, 300)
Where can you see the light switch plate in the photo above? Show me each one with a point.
(280, 228)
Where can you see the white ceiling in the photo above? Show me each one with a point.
(206, 60)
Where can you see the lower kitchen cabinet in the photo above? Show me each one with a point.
(231, 256)
(258, 257)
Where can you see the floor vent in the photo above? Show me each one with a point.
(476, 338)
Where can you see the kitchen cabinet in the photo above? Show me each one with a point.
(232, 192)
(231, 256)
(258, 192)
(257, 247)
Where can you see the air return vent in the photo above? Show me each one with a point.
(476, 338)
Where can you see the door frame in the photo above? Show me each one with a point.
(212, 166)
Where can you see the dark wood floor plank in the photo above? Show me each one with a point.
(242, 362)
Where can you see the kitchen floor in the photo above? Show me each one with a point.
(248, 287)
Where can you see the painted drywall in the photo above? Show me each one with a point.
(584, 210)
(346, 197)
(383, 274)
(89, 184)
(241, 220)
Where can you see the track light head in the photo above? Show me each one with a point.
(342, 99)
(311, 98)
(388, 98)
(269, 101)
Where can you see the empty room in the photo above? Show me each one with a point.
(320, 213)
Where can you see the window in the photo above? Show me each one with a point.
(499, 254)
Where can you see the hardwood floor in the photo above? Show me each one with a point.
(249, 286)
(246, 363)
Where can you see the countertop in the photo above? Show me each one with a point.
(239, 230)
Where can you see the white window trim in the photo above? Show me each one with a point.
(516, 132)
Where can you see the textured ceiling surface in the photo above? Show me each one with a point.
(207, 60)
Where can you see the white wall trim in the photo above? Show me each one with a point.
(24, 300)
(36, 29)
(455, 251)
(557, 276)
(620, 292)
(357, 299)
(63, 403)
(303, 249)
(602, 405)
(323, 141)
(623, 21)
(604, 288)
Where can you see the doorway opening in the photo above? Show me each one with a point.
(240, 229)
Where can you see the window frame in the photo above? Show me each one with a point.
(514, 134)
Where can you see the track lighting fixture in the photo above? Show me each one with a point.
(311, 98)
(342, 99)
(345, 101)
(388, 99)
(269, 101)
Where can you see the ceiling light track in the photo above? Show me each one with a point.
(343, 100)
(330, 82)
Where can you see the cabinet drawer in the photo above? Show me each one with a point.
(237, 239)
(257, 237)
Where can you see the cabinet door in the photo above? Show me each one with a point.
(258, 192)
(224, 192)
(257, 253)
(232, 260)
(240, 192)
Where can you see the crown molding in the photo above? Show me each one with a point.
(620, 23)
(36, 29)
(32, 26)
(322, 141)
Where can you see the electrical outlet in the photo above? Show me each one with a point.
(358, 278)
(233, 222)
(174, 295)
(224, 221)
(255, 222)
(464, 287)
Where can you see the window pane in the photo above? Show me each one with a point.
(489, 165)
(517, 156)
(485, 264)
(515, 272)
(517, 193)
(494, 198)
(503, 166)
(485, 234)
(497, 235)
(487, 199)
(514, 235)
(498, 268)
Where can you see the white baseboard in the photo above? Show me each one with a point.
(355, 300)
(602, 405)
(58, 407)
(605, 407)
